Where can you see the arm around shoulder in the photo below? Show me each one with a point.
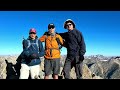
(61, 39)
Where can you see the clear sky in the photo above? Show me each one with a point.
(101, 29)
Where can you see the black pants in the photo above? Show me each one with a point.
(70, 63)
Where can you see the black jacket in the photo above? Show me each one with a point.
(74, 42)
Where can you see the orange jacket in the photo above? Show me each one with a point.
(51, 46)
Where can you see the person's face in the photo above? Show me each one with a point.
(32, 35)
(69, 26)
(51, 29)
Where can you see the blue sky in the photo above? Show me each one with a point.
(101, 29)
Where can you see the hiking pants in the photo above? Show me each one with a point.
(69, 64)
(25, 70)
(52, 66)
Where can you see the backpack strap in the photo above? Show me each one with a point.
(35, 43)
(28, 43)
(58, 41)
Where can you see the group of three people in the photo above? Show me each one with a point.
(33, 49)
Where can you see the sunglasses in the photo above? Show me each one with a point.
(32, 33)
(68, 25)
(51, 27)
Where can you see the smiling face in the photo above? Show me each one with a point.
(69, 26)
(32, 35)
(51, 29)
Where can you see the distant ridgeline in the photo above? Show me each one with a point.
(95, 66)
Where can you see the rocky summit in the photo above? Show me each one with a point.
(93, 67)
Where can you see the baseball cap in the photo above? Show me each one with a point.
(51, 25)
(32, 30)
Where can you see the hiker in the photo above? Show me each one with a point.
(32, 51)
(76, 48)
(52, 52)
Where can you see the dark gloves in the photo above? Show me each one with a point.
(34, 56)
(25, 54)
(81, 57)
(28, 55)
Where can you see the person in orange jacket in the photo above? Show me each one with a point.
(52, 51)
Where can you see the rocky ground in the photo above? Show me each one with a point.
(91, 68)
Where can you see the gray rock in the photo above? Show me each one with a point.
(97, 69)
(116, 74)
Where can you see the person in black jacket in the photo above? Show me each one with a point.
(76, 48)
(32, 51)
